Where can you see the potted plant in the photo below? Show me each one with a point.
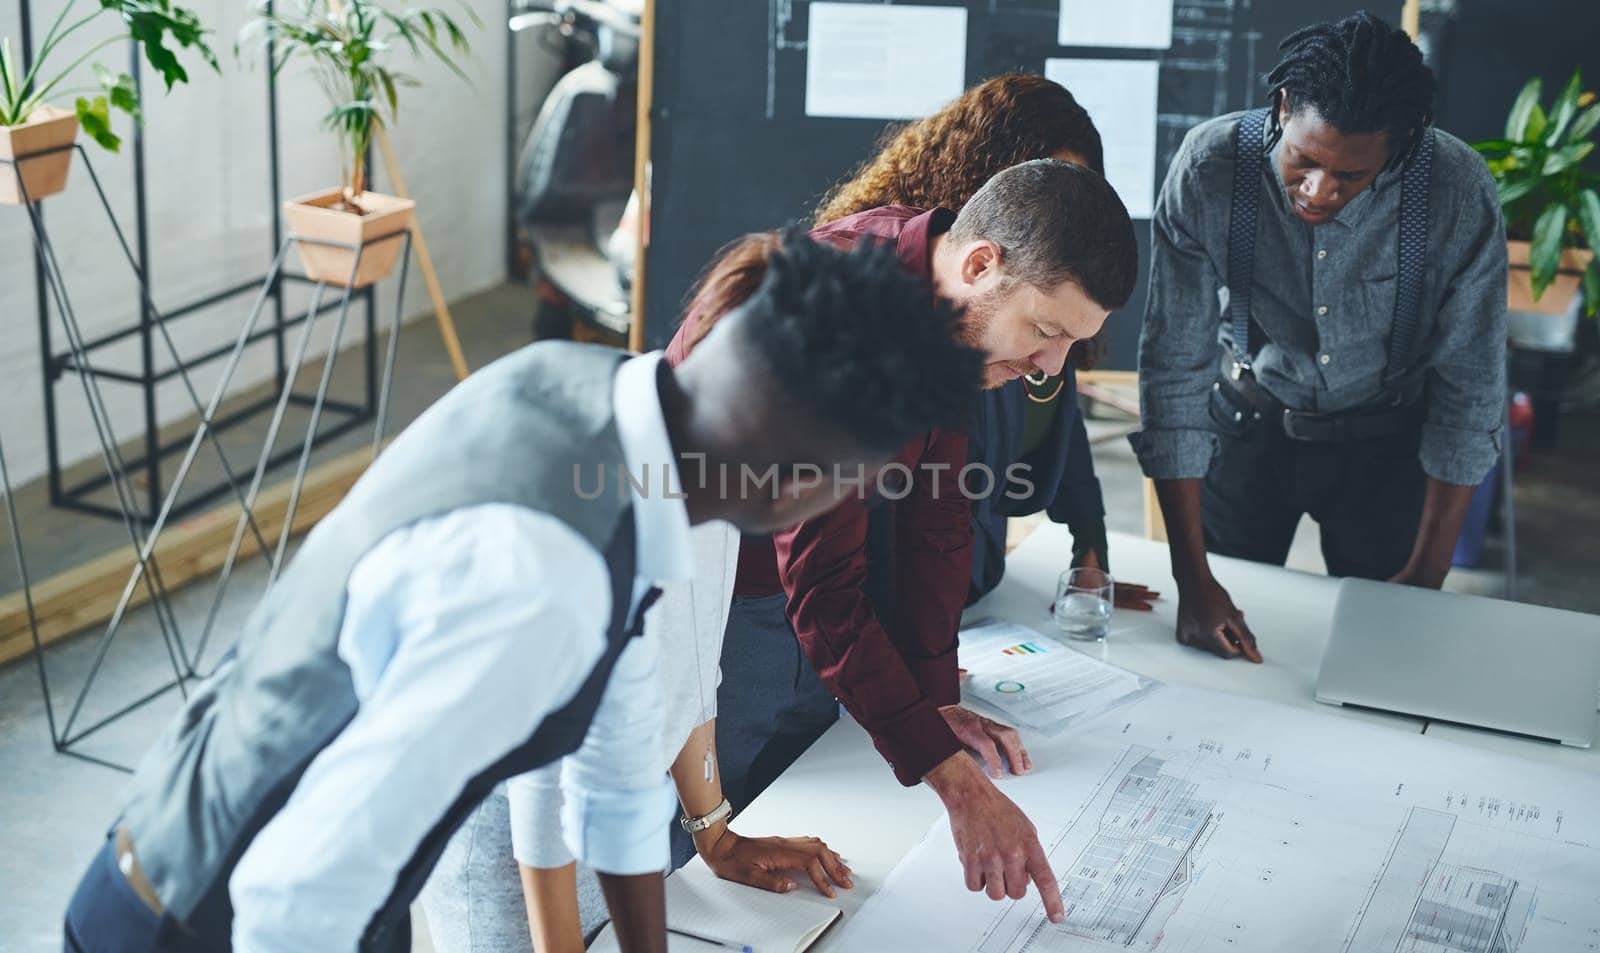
(347, 43)
(36, 136)
(1550, 201)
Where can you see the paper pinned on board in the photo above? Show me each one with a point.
(1038, 682)
(1127, 24)
(874, 61)
(1120, 96)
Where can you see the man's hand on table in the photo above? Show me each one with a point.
(1208, 619)
(998, 846)
(988, 739)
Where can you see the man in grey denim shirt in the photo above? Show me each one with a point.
(1388, 484)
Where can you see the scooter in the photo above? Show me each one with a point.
(575, 174)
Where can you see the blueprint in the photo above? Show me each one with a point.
(1202, 822)
(1420, 902)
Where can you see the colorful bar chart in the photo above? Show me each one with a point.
(1026, 648)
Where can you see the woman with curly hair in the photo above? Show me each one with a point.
(943, 159)
(940, 161)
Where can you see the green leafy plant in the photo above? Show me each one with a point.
(158, 26)
(347, 43)
(1549, 198)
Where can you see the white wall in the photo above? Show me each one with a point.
(207, 200)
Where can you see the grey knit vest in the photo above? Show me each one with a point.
(513, 433)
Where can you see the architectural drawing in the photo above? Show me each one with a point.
(1419, 904)
(1191, 821)
(1148, 821)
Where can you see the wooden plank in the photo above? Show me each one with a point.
(85, 596)
(641, 167)
(441, 309)
(1109, 378)
(1155, 525)
(1411, 18)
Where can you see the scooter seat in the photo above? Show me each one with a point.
(580, 152)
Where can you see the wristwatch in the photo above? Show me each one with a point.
(694, 825)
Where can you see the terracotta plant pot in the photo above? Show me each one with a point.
(47, 138)
(1558, 295)
(329, 239)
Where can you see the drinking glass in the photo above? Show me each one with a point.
(1083, 603)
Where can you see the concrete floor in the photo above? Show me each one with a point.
(54, 809)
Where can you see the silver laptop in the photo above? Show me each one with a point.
(1466, 659)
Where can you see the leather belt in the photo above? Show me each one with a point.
(1373, 423)
(1345, 428)
(128, 864)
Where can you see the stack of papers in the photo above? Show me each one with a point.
(1038, 682)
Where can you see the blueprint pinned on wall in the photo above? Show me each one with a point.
(1196, 821)
(1130, 24)
(874, 61)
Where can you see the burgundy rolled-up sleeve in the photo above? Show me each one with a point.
(891, 682)
(932, 567)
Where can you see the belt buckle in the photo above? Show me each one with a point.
(1291, 420)
(1238, 370)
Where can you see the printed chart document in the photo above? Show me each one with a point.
(1120, 96)
(1039, 682)
(701, 904)
(874, 61)
(1129, 24)
(1201, 822)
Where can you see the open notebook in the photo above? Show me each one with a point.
(739, 916)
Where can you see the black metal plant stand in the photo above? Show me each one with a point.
(53, 284)
(1508, 502)
(145, 513)
(148, 377)
(185, 662)
(276, 554)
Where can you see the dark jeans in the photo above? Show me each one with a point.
(1366, 497)
(106, 916)
(770, 706)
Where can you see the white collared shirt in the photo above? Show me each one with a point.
(462, 633)
(687, 625)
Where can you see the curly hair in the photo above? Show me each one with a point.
(942, 160)
(850, 336)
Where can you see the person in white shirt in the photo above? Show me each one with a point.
(507, 882)
(455, 621)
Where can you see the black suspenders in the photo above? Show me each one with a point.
(1249, 142)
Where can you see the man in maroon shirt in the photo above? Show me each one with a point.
(1037, 259)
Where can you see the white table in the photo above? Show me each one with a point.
(1289, 612)
(841, 790)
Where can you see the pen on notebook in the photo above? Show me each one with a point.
(725, 944)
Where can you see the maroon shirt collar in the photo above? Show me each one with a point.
(911, 229)
(915, 244)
